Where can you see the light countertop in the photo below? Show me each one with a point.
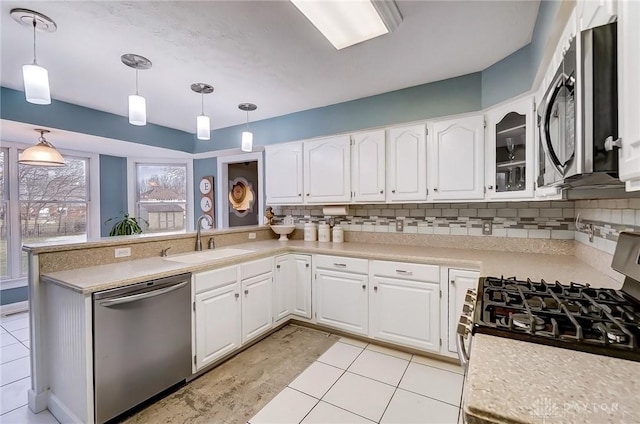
(512, 381)
(564, 268)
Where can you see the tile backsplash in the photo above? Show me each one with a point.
(544, 220)
(608, 217)
(541, 220)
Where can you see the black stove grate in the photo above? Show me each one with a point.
(574, 316)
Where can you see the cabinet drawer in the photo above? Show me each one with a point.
(254, 268)
(406, 270)
(216, 278)
(340, 263)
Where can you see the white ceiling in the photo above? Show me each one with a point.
(264, 52)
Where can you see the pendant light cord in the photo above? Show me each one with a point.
(202, 96)
(34, 40)
(247, 119)
(136, 81)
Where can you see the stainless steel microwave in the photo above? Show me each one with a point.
(579, 112)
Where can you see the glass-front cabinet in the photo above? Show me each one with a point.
(510, 150)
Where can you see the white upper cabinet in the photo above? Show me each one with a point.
(407, 164)
(593, 13)
(368, 166)
(510, 150)
(456, 159)
(327, 170)
(629, 93)
(283, 173)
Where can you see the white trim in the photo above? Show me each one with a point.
(59, 410)
(132, 182)
(222, 181)
(14, 308)
(13, 283)
(14, 239)
(226, 152)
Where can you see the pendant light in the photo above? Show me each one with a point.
(137, 103)
(247, 136)
(203, 125)
(35, 77)
(42, 154)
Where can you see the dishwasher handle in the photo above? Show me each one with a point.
(141, 296)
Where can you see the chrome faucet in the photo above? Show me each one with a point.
(199, 227)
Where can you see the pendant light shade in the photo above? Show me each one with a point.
(42, 154)
(36, 84)
(34, 76)
(203, 127)
(137, 103)
(247, 136)
(247, 141)
(203, 124)
(137, 110)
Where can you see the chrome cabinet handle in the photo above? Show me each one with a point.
(435, 189)
(364, 287)
(403, 272)
(463, 355)
(307, 194)
(381, 191)
(375, 289)
(300, 194)
(339, 265)
(490, 187)
(237, 295)
(393, 191)
(277, 266)
(246, 292)
(306, 265)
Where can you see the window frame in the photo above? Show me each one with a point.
(12, 199)
(132, 187)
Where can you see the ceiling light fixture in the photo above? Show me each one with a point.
(345, 23)
(137, 103)
(42, 154)
(35, 77)
(203, 124)
(247, 136)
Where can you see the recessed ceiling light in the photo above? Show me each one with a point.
(345, 23)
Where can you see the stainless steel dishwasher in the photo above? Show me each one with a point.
(142, 342)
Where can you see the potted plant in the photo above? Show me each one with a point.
(127, 225)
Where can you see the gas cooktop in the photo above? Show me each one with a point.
(573, 316)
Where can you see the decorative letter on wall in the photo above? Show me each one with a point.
(206, 198)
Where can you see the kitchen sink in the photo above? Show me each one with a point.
(206, 255)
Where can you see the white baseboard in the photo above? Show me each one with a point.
(37, 401)
(14, 308)
(61, 412)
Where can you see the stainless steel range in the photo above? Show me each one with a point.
(572, 316)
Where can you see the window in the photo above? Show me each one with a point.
(41, 204)
(161, 196)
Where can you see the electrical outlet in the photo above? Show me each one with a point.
(399, 225)
(123, 252)
(252, 236)
(487, 228)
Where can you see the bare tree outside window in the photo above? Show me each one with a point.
(53, 202)
(162, 196)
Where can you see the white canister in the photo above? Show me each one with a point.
(338, 234)
(324, 232)
(310, 231)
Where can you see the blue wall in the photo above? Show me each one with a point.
(441, 98)
(68, 116)
(113, 190)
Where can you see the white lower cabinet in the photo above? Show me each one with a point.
(292, 286)
(458, 284)
(257, 298)
(217, 315)
(341, 296)
(404, 302)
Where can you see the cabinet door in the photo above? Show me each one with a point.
(327, 170)
(283, 173)
(459, 282)
(341, 301)
(256, 306)
(456, 159)
(629, 93)
(406, 312)
(368, 166)
(407, 164)
(510, 151)
(593, 13)
(217, 323)
(301, 286)
(283, 280)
